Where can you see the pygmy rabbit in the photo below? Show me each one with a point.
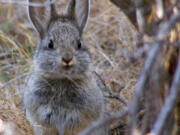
(61, 97)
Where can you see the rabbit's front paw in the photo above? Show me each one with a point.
(45, 115)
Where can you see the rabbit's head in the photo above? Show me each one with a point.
(61, 51)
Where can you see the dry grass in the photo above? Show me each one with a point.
(14, 120)
(108, 34)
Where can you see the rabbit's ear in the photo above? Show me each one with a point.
(79, 10)
(41, 16)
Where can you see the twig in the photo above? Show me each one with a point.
(166, 27)
(113, 64)
(27, 3)
(132, 57)
(103, 122)
(140, 15)
(114, 96)
(107, 89)
(140, 86)
(169, 103)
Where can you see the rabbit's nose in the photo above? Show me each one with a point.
(67, 61)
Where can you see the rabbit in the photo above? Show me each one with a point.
(61, 96)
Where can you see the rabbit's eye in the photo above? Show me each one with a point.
(51, 44)
(79, 44)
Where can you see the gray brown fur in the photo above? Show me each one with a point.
(61, 100)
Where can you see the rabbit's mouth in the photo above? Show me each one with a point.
(67, 70)
(67, 67)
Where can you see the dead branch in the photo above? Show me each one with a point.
(27, 3)
(169, 103)
(110, 93)
(140, 19)
(140, 86)
(103, 122)
(166, 27)
(114, 96)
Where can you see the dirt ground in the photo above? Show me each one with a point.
(109, 36)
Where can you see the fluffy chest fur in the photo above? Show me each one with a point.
(64, 104)
(61, 93)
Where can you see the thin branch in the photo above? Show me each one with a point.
(166, 27)
(103, 122)
(27, 3)
(132, 57)
(114, 96)
(140, 20)
(111, 94)
(140, 15)
(169, 103)
(140, 86)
